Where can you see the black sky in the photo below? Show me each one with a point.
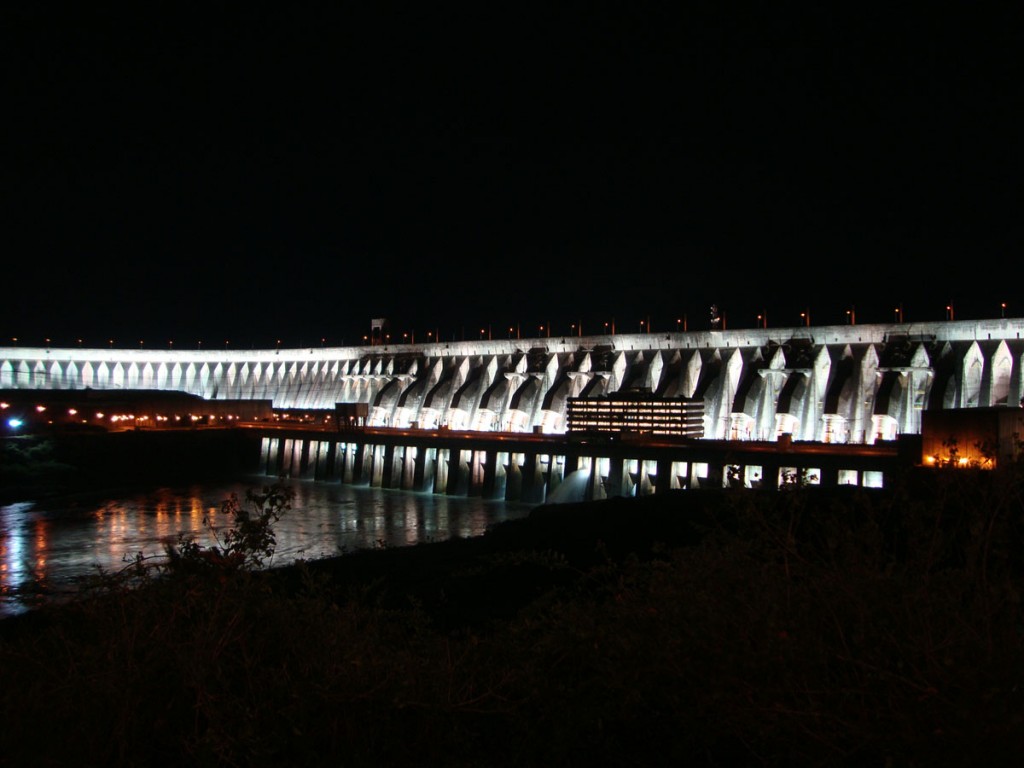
(252, 175)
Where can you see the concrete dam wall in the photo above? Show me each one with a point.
(841, 384)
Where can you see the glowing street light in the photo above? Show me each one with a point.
(1002, 309)
(949, 311)
(898, 312)
(806, 317)
(851, 315)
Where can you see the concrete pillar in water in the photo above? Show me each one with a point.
(441, 470)
(376, 461)
(489, 482)
(616, 485)
(325, 461)
(533, 481)
(304, 450)
(829, 477)
(716, 475)
(359, 464)
(387, 466)
(408, 466)
(513, 478)
(663, 484)
(458, 473)
(423, 469)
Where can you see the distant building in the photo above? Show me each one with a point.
(638, 412)
(972, 437)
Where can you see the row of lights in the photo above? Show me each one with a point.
(576, 329)
(15, 422)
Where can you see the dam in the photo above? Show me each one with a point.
(833, 384)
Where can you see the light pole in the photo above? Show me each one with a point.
(949, 311)
(806, 317)
(851, 315)
(898, 312)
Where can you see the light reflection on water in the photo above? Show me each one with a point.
(56, 544)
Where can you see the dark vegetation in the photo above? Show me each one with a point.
(64, 462)
(798, 627)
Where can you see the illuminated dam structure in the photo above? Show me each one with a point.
(831, 384)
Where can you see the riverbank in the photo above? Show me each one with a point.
(804, 627)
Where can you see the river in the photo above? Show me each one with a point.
(48, 547)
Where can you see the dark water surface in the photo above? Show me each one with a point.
(54, 544)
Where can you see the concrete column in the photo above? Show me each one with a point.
(358, 463)
(616, 479)
(441, 470)
(387, 466)
(458, 474)
(716, 475)
(829, 477)
(304, 446)
(325, 466)
(663, 483)
(513, 479)
(533, 481)
(489, 481)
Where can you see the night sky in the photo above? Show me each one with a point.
(246, 176)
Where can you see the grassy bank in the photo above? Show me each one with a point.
(799, 627)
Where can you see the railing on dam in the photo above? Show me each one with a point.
(850, 384)
(537, 468)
